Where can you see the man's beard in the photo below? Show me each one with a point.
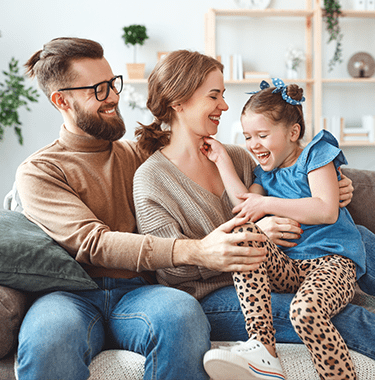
(94, 125)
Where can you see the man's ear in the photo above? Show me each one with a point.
(295, 132)
(59, 100)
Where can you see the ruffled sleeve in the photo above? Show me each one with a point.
(323, 149)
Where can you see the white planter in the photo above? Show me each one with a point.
(291, 73)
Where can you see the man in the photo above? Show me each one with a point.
(79, 190)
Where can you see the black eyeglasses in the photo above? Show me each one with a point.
(102, 88)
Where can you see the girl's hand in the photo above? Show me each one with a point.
(346, 190)
(213, 149)
(252, 206)
(279, 230)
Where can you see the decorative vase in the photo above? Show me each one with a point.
(136, 70)
(291, 73)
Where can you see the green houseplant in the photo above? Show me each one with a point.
(14, 95)
(332, 12)
(135, 35)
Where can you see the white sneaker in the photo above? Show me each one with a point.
(244, 361)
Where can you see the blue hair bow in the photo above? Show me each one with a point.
(280, 87)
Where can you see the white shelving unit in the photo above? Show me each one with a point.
(314, 81)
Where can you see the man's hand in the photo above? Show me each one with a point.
(346, 190)
(220, 251)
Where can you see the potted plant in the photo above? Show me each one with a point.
(135, 35)
(332, 12)
(13, 95)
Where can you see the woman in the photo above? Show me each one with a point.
(179, 193)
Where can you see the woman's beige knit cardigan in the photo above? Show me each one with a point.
(169, 204)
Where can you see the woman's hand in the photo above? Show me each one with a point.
(279, 230)
(346, 190)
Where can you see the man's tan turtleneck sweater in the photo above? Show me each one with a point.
(79, 190)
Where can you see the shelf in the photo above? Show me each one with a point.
(356, 143)
(313, 80)
(263, 12)
(349, 80)
(307, 15)
(269, 12)
(269, 79)
(358, 14)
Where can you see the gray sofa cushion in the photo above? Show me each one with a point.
(32, 261)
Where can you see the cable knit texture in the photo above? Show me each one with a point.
(170, 204)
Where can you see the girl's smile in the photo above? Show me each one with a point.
(273, 144)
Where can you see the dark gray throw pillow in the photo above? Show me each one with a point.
(32, 261)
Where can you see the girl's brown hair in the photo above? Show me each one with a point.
(276, 108)
(174, 80)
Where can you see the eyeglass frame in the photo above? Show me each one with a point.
(95, 86)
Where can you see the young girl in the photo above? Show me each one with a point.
(322, 269)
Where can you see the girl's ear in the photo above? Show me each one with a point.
(295, 132)
(59, 101)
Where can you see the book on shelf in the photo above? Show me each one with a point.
(359, 5)
(233, 66)
(334, 125)
(370, 5)
(368, 123)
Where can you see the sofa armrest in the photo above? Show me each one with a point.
(13, 306)
(362, 206)
(12, 200)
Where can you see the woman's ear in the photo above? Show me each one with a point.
(177, 107)
(295, 131)
(59, 101)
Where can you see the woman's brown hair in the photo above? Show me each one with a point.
(174, 80)
(276, 108)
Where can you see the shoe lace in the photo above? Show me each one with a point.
(251, 344)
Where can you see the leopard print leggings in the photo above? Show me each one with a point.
(322, 287)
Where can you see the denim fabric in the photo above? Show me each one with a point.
(355, 324)
(318, 240)
(367, 281)
(63, 331)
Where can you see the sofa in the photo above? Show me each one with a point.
(121, 364)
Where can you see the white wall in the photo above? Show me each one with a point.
(172, 24)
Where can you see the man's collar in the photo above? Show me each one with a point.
(82, 143)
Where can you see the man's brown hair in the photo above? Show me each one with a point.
(52, 65)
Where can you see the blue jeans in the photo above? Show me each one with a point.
(367, 281)
(62, 331)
